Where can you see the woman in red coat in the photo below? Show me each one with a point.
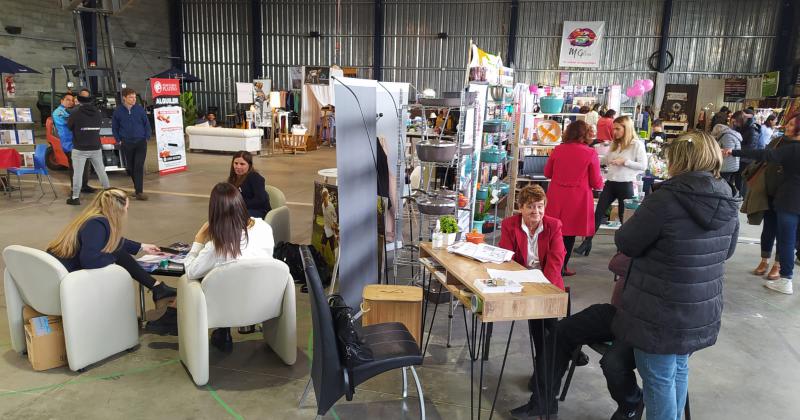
(574, 170)
(535, 238)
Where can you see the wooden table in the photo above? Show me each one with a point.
(536, 301)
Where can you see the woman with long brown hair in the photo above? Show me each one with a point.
(626, 159)
(94, 240)
(250, 183)
(229, 235)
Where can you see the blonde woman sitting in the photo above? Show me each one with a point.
(94, 240)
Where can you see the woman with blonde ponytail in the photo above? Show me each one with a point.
(94, 240)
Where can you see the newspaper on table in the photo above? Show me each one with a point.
(482, 252)
(521, 276)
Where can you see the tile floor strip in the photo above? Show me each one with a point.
(222, 403)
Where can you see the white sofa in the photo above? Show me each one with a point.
(279, 218)
(97, 306)
(238, 294)
(224, 139)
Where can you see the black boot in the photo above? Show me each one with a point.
(167, 324)
(585, 247)
(221, 339)
(629, 413)
(534, 411)
(162, 291)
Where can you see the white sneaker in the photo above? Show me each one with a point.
(781, 286)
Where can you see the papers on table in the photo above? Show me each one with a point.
(497, 286)
(481, 252)
(523, 276)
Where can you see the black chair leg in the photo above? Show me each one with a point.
(575, 355)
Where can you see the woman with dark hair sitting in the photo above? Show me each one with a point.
(250, 183)
(229, 235)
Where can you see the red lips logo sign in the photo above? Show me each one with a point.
(165, 87)
(582, 37)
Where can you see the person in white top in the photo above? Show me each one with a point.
(592, 116)
(626, 159)
(330, 220)
(229, 235)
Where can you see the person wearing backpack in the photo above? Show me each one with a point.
(728, 138)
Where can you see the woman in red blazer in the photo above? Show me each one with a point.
(535, 238)
(574, 170)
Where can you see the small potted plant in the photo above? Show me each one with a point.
(449, 228)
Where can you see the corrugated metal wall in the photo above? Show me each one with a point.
(217, 45)
(413, 52)
(287, 25)
(709, 37)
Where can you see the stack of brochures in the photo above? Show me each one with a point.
(482, 252)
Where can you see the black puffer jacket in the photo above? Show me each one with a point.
(678, 239)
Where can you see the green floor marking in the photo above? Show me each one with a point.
(224, 405)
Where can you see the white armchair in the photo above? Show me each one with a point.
(97, 307)
(279, 218)
(238, 294)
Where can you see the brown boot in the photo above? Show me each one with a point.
(775, 271)
(762, 268)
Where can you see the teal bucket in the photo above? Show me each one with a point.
(551, 104)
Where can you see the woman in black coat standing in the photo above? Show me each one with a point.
(678, 240)
(250, 183)
(787, 198)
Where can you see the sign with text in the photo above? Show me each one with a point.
(581, 44)
(168, 119)
(735, 89)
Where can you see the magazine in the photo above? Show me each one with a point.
(7, 115)
(24, 136)
(521, 276)
(24, 115)
(481, 252)
(8, 137)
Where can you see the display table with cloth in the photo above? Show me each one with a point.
(457, 275)
(9, 158)
(224, 139)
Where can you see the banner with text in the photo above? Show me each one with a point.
(168, 118)
(581, 44)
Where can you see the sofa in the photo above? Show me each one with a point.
(224, 139)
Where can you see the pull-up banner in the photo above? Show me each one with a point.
(168, 119)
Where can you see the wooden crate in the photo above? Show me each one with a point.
(387, 303)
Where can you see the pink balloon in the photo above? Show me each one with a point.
(647, 84)
(638, 82)
(629, 92)
(638, 90)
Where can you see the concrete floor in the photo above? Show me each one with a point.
(751, 373)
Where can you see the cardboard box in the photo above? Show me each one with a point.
(44, 337)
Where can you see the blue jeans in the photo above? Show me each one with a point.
(787, 240)
(665, 380)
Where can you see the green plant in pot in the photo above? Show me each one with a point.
(449, 228)
(187, 102)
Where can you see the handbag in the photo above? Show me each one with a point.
(352, 348)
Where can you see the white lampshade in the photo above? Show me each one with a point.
(433, 115)
(428, 93)
(274, 99)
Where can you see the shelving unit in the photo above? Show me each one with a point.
(11, 128)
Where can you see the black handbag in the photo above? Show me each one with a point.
(352, 347)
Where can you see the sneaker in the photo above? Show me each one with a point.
(89, 190)
(781, 286)
(627, 414)
(74, 201)
(141, 196)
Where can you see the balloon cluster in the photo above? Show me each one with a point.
(639, 88)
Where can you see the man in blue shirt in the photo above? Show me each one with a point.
(131, 130)
(60, 117)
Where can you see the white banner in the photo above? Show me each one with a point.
(169, 139)
(581, 44)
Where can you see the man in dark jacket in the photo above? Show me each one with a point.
(85, 126)
(678, 240)
(131, 130)
(745, 124)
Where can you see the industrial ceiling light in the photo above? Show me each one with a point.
(428, 93)
(13, 30)
(442, 35)
(314, 34)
